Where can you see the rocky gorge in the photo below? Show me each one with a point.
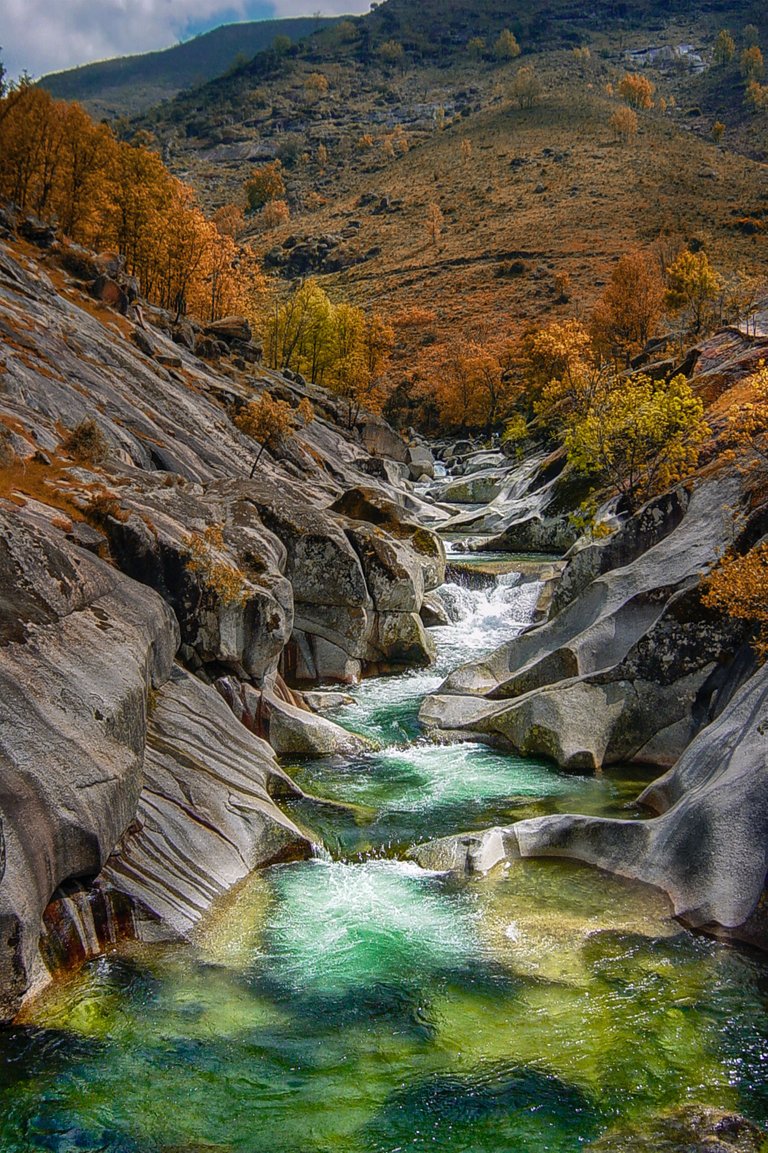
(178, 642)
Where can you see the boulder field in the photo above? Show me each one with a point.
(161, 612)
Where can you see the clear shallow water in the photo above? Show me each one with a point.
(361, 1004)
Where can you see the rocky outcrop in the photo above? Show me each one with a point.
(205, 817)
(81, 646)
(620, 672)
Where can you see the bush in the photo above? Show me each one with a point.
(86, 443)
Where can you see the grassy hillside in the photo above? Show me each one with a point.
(131, 84)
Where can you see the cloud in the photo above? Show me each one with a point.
(40, 36)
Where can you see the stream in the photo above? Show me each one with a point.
(357, 1003)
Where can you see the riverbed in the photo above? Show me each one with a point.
(357, 1003)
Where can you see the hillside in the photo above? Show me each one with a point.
(537, 193)
(130, 84)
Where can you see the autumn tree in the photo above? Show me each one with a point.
(54, 160)
(739, 587)
(626, 315)
(435, 222)
(625, 124)
(316, 86)
(468, 380)
(525, 87)
(505, 46)
(692, 286)
(337, 346)
(476, 47)
(756, 95)
(265, 184)
(636, 90)
(267, 420)
(561, 372)
(751, 64)
(724, 49)
(638, 436)
(392, 53)
(747, 427)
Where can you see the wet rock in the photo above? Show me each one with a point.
(420, 462)
(616, 675)
(296, 732)
(693, 1128)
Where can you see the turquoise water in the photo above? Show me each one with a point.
(357, 1003)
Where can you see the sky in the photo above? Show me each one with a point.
(40, 36)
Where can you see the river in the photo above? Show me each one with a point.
(356, 1003)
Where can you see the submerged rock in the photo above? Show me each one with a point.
(692, 1129)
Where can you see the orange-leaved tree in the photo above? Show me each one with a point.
(739, 587)
(629, 309)
(267, 420)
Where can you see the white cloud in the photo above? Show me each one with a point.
(42, 36)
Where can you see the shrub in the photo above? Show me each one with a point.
(86, 443)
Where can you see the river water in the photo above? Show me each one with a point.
(356, 1003)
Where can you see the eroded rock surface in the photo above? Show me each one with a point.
(616, 675)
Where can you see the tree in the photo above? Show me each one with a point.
(724, 49)
(268, 421)
(692, 284)
(627, 313)
(468, 380)
(392, 53)
(266, 184)
(739, 587)
(756, 95)
(476, 47)
(273, 214)
(639, 436)
(561, 372)
(435, 221)
(751, 35)
(747, 426)
(718, 131)
(625, 124)
(751, 64)
(525, 88)
(505, 46)
(637, 91)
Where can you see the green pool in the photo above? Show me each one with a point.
(357, 1003)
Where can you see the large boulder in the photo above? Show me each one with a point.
(81, 646)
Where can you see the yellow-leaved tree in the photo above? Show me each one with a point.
(337, 346)
(739, 587)
(638, 435)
